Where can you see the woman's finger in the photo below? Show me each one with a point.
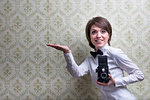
(103, 84)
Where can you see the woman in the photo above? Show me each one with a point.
(98, 33)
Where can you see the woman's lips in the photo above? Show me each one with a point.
(98, 41)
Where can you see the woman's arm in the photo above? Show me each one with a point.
(73, 68)
(134, 73)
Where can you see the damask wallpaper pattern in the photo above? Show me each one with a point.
(29, 70)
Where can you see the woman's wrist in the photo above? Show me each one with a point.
(67, 51)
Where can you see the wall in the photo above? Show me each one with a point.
(29, 70)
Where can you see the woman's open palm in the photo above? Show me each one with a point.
(65, 49)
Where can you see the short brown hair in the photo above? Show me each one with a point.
(101, 23)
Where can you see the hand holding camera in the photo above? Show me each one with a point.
(104, 78)
(110, 82)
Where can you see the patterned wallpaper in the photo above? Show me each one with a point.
(29, 70)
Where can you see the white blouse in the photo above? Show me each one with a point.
(117, 62)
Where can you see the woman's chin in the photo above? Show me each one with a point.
(99, 46)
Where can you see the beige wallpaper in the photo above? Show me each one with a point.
(31, 71)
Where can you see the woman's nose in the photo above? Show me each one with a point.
(99, 34)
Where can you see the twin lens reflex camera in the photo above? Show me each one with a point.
(102, 69)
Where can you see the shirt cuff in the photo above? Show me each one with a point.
(119, 83)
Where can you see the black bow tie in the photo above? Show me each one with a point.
(94, 54)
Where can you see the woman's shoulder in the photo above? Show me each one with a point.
(115, 51)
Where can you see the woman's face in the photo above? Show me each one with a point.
(99, 36)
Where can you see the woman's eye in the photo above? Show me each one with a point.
(103, 31)
(93, 32)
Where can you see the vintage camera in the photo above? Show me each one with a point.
(102, 69)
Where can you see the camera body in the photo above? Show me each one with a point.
(102, 69)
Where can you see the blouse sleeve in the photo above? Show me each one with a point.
(134, 73)
(73, 68)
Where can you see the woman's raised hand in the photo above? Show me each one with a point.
(65, 49)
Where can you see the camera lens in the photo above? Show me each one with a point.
(103, 75)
